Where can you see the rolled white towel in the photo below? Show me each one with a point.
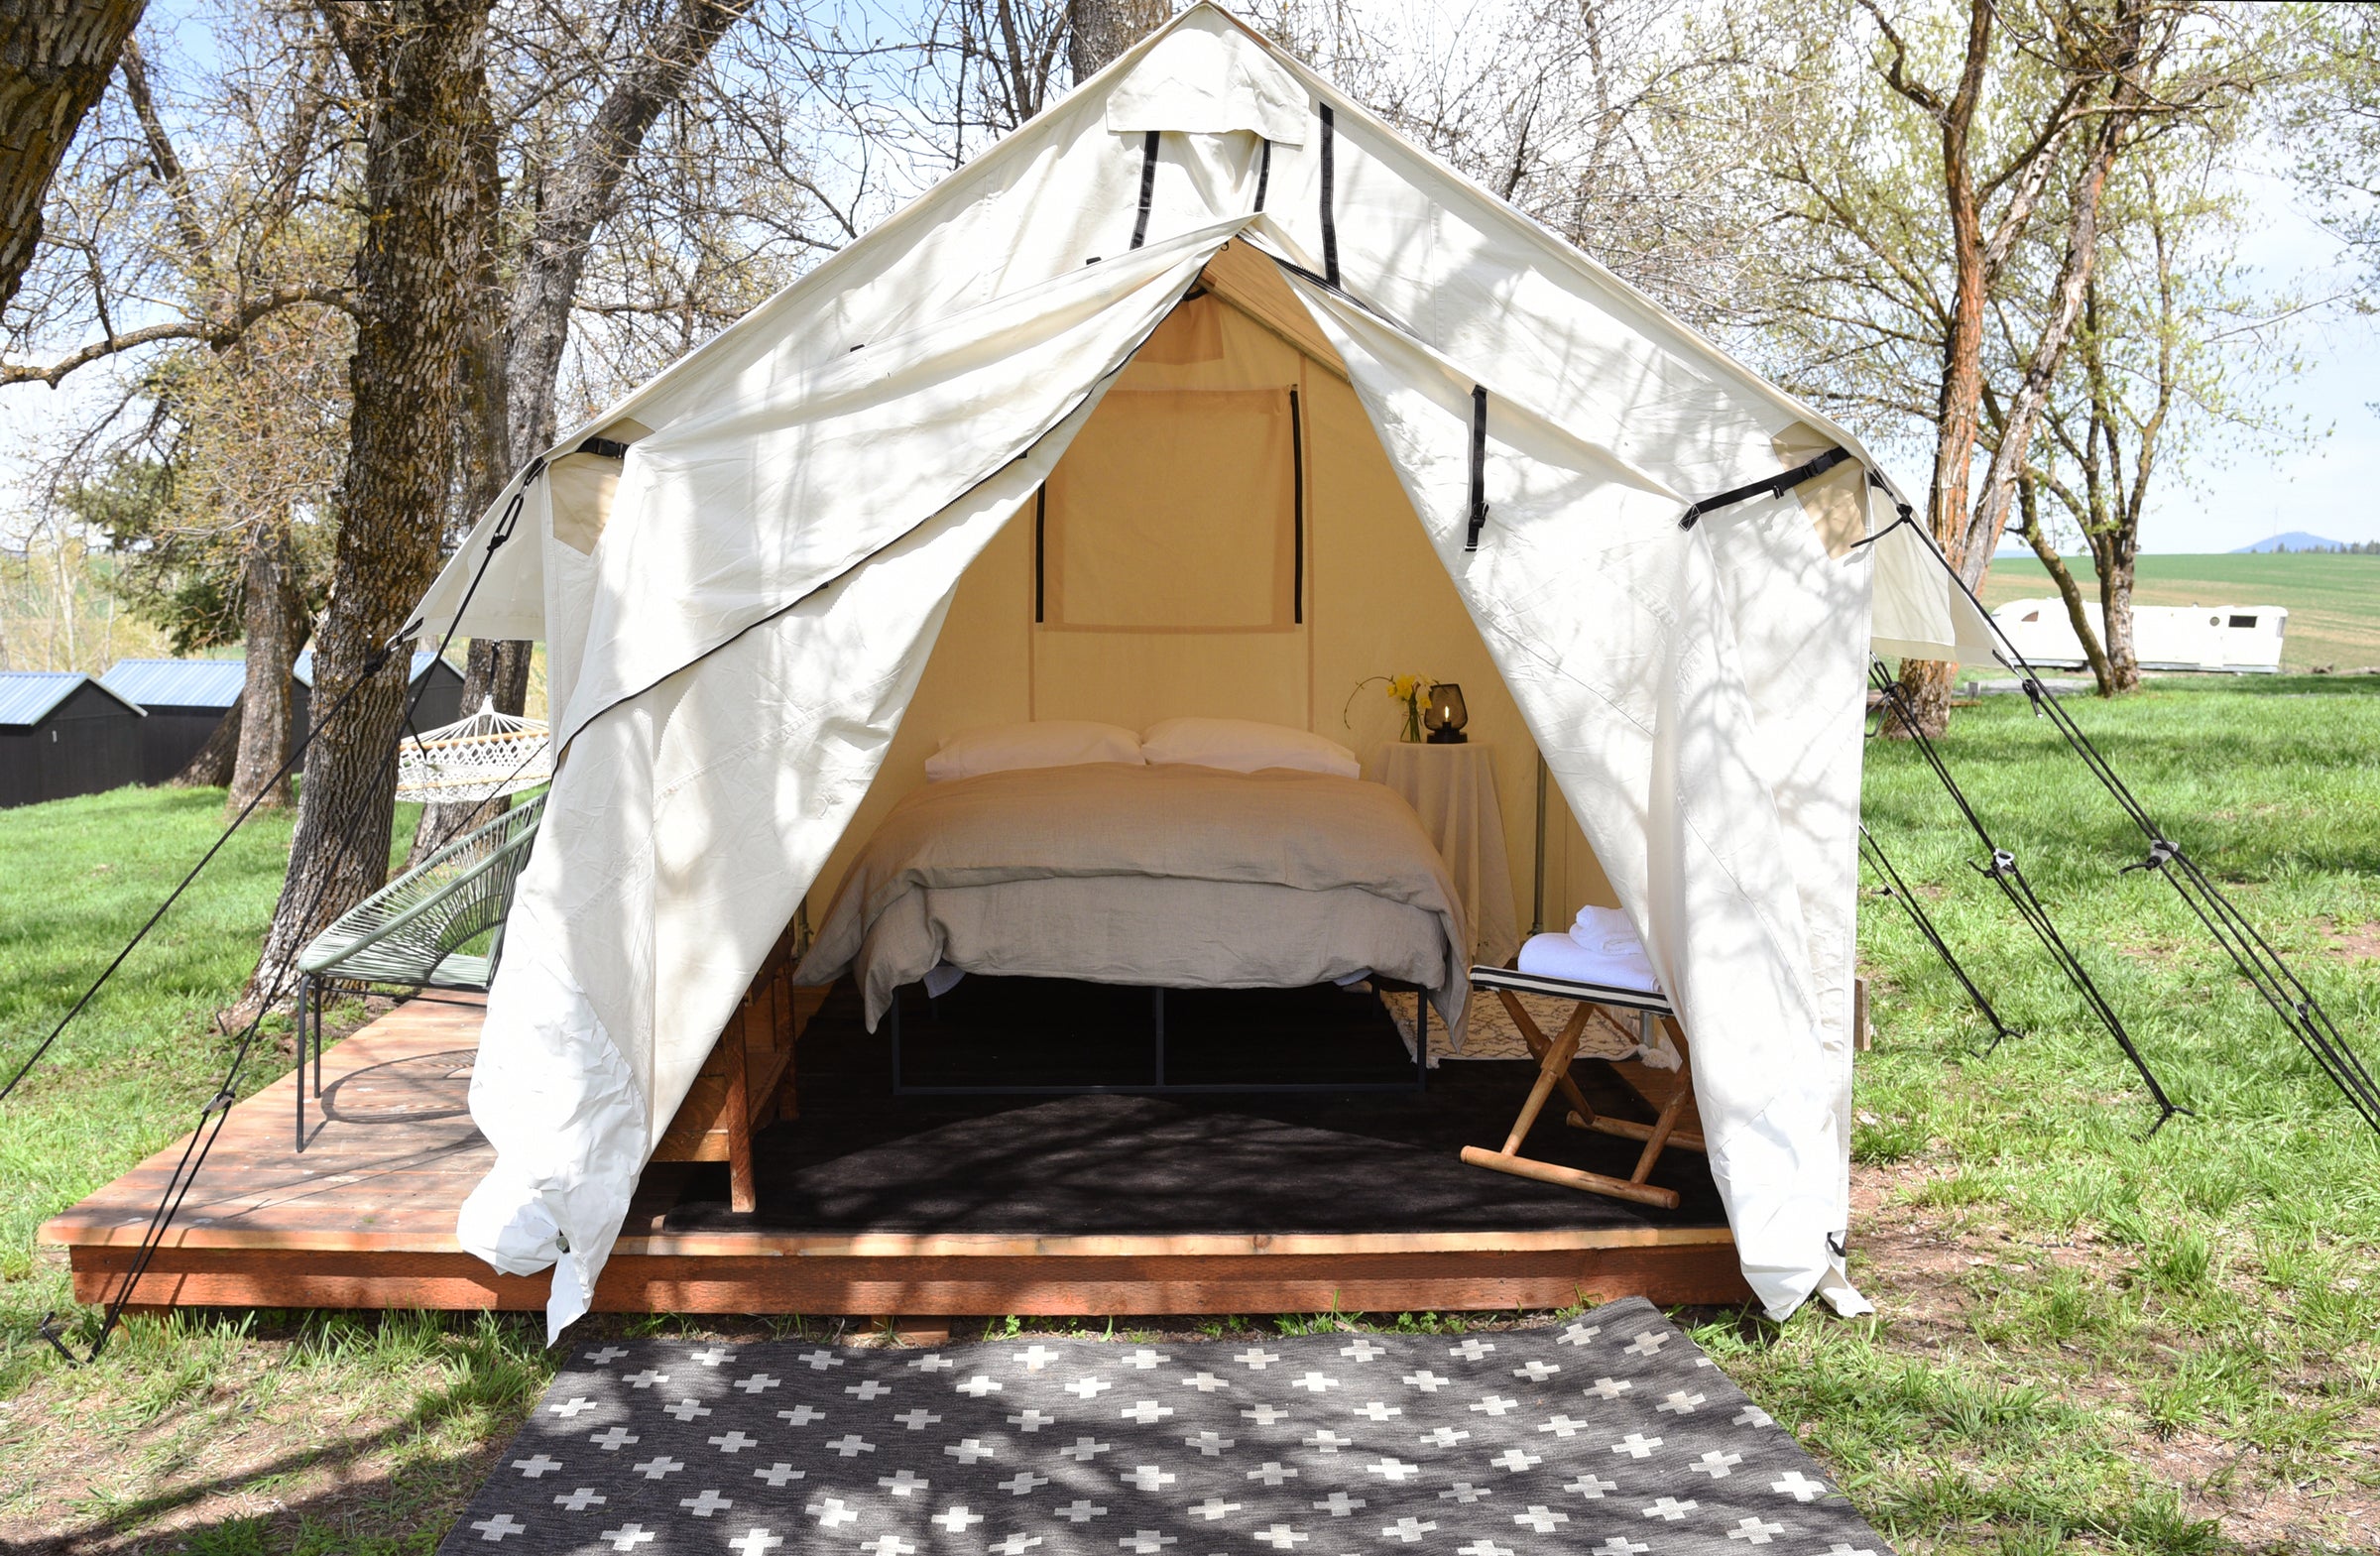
(1562, 956)
(1605, 929)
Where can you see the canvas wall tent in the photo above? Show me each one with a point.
(820, 550)
(63, 734)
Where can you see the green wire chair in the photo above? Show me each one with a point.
(411, 932)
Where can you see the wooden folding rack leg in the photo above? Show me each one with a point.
(1554, 1056)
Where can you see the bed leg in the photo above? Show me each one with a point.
(1421, 1039)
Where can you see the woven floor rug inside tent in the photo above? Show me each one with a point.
(1612, 1434)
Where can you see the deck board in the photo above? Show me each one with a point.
(364, 1217)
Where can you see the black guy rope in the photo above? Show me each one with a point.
(2251, 954)
(218, 1106)
(1895, 887)
(2002, 871)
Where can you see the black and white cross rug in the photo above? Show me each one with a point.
(1612, 1434)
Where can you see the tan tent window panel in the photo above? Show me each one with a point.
(1176, 509)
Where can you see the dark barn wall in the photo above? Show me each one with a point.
(441, 700)
(171, 736)
(86, 745)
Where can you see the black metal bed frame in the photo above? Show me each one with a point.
(1159, 1086)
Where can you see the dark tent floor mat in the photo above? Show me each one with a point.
(859, 1158)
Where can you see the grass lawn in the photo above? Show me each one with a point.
(2332, 599)
(2087, 1341)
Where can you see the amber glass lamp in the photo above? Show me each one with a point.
(1445, 716)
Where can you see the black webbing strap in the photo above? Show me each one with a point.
(1894, 886)
(2252, 956)
(1774, 485)
(608, 448)
(2002, 871)
(1297, 514)
(1330, 178)
(1041, 551)
(1149, 186)
(1479, 466)
(1263, 173)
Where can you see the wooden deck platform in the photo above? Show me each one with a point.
(364, 1218)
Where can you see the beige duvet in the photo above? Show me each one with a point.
(1177, 875)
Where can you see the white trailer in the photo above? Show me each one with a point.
(2239, 640)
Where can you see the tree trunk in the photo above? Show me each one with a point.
(55, 57)
(584, 192)
(212, 767)
(2116, 558)
(484, 460)
(511, 373)
(268, 620)
(1097, 30)
(2068, 590)
(423, 67)
(1926, 683)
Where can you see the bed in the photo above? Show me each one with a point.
(1171, 875)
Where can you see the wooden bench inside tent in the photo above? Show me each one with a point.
(748, 1082)
(1671, 1091)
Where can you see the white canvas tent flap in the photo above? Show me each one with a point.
(1616, 633)
(734, 632)
(1207, 80)
(1920, 612)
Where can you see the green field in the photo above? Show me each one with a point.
(2334, 600)
(2087, 1341)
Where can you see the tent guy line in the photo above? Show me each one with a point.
(1895, 887)
(2003, 872)
(213, 1116)
(2252, 956)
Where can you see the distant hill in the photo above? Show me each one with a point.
(2293, 540)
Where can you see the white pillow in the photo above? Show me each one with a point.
(1244, 746)
(1055, 743)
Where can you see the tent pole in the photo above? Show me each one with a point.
(1538, 887)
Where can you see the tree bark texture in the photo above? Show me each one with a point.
(55, 57)
(1097, 30)
(1926, 683)
(421, 64)
(511, 370)
(2115, 556)
(1981, 531)
(269, 621)
(211, 766)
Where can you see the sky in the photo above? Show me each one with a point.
(2333, 487)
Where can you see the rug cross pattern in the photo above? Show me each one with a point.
(1610, 1434)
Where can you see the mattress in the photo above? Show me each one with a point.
(1175, 876)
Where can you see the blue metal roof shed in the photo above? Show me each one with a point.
(186, 698)
(63, 734)
(178, 683)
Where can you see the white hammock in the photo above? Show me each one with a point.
(485, 755)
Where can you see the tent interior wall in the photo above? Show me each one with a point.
(1370, 598)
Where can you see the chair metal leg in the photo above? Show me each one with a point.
(297, 1082)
